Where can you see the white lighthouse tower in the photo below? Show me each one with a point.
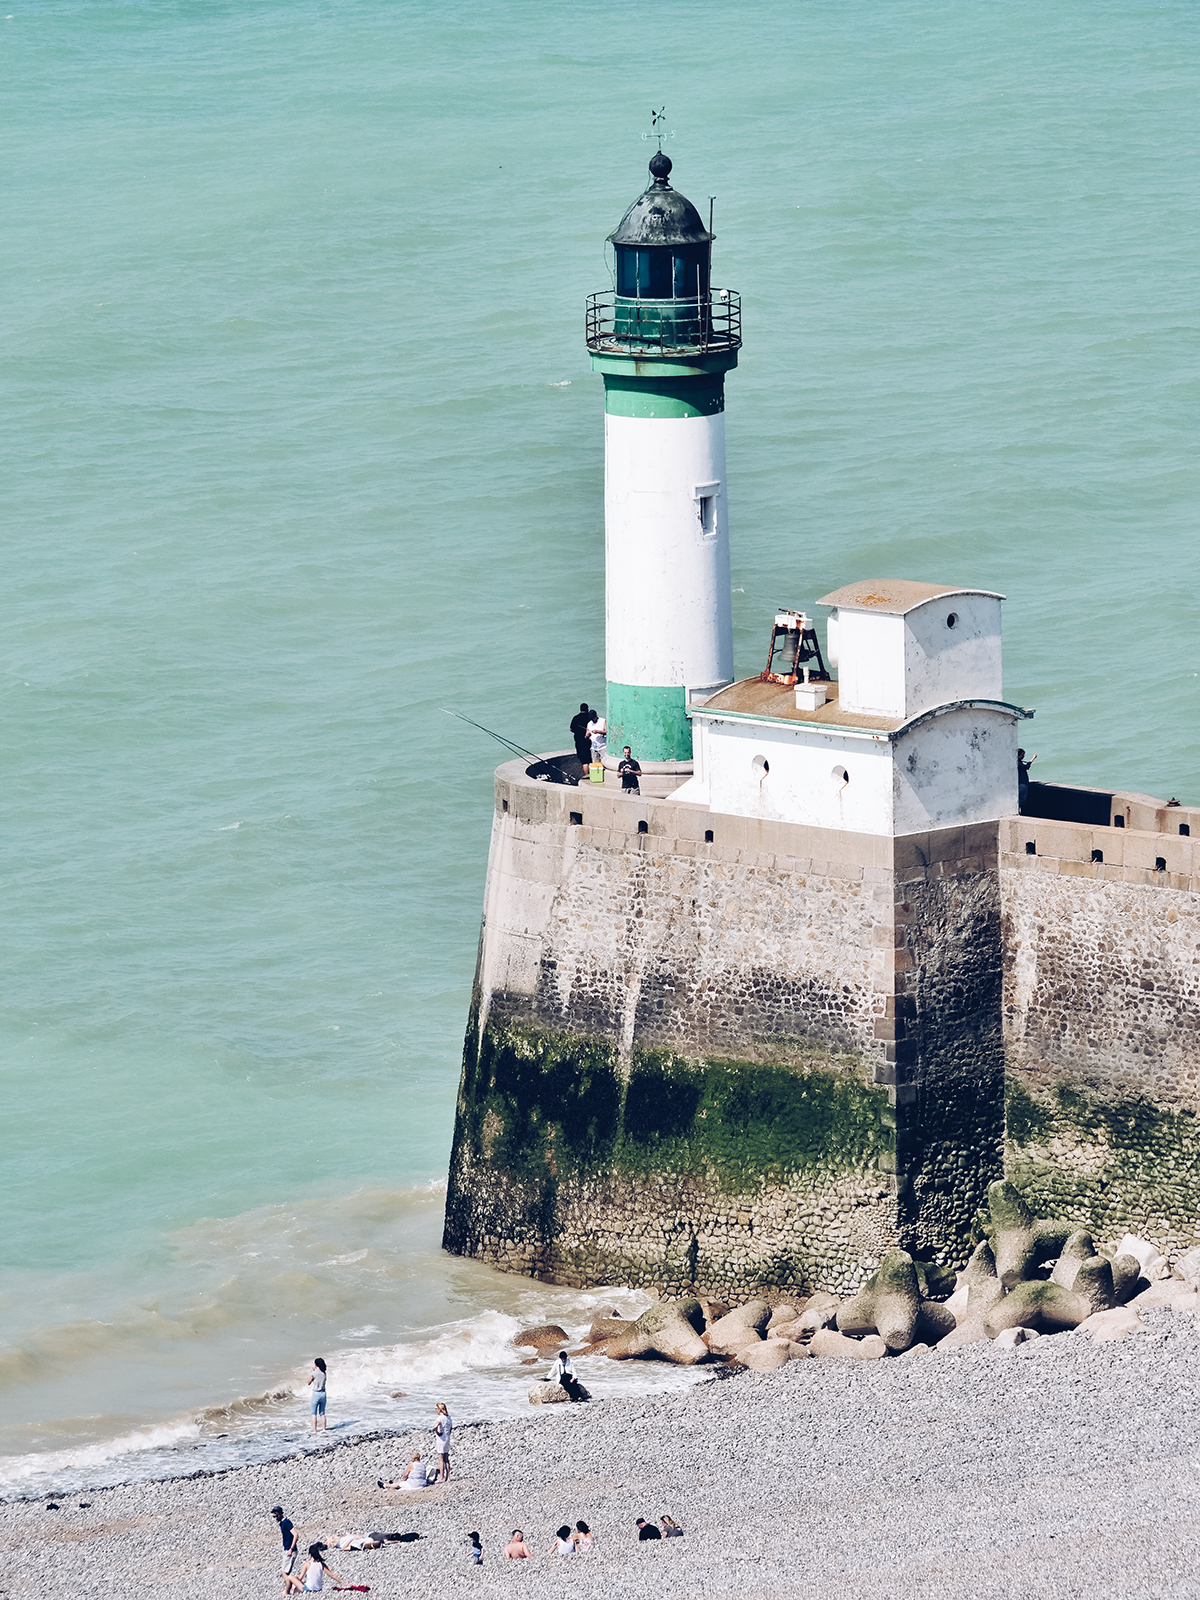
(664, 342)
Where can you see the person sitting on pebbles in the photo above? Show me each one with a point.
(414, 1475)
(516, 1549)
(312, 1574)
(670, 1528)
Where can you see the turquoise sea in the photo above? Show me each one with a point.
(299, 446)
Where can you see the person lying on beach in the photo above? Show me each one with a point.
(312, 1574)
(670, 1528)
(516, 1549)
(476, 1550)
(413, 1477)
(371, 1541)
(584, 1537)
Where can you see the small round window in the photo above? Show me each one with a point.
(840, 775)
(952, 620)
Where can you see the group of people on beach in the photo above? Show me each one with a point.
(576, 1541)
(420, 1474)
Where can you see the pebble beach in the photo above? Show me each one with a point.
(1063, 1467)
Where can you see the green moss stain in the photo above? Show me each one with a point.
(1113, 1164)
(740, 1121)
(556, 1099)
(548, 1106)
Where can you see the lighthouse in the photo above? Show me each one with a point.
(663, 341)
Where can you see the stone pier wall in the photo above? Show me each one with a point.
(713, 1053)
(718, 1062)
(1102, 1022)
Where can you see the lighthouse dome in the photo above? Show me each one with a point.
(661, 216)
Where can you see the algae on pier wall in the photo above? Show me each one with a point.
(714, 1173)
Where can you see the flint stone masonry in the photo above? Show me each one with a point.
(765, 1059)
(760, 1060)
(1102, 1021)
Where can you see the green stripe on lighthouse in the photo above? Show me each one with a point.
(651, 719)
(629, 396)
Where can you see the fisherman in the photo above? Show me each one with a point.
(579, 724)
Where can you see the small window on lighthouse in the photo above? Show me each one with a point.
(706, 508)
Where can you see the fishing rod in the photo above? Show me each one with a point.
(517, 749)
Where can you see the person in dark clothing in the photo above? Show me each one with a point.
(630, 773)
(291, 1540)
(1023, 767)
(647, 1530)
(579, 722)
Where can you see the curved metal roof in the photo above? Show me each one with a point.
(661, 216)
(895, 596)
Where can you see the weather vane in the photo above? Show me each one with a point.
(658, 121)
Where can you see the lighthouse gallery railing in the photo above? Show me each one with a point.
(664, 327)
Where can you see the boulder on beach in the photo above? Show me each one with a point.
(765, 1355)
(1170, 1292)
(1118, 1323)
(794, 1331)
(888, 1303)
(669, 1330)
(796, 1351)
(546, 1333)
(780, 1314)
(1010, 1338)
(1153, 1264)
(1021, 1242)
(1188, 1266)
(548, 1394)
(827, 1342)
(607, 1328)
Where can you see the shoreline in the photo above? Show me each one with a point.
(1064, 1466)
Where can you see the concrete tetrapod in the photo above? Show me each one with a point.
(669, 1329)
(888, 1304)
(982, 1295)
(1078, 1249)
(731, 1335)
(1037, 1304)
(1020, 1241)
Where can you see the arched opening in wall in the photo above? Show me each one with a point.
(840, 776)
(952, 620)
(760, 768)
